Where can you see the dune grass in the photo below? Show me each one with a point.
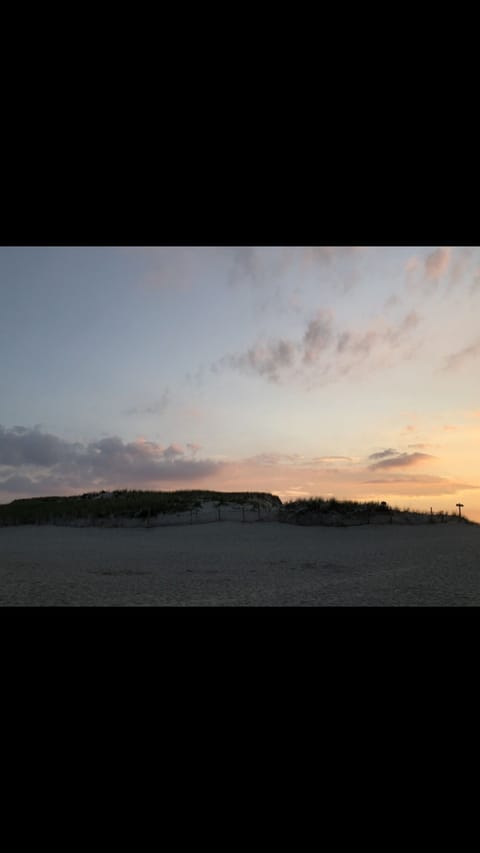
(122, 503)
(368, 509)
(140, 504)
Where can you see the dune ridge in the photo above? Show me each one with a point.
(136, 508)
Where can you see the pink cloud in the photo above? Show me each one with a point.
(412, 265)
(399, 460)
(419, 486)
(437, 263)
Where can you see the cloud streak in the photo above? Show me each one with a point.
(268, 360)
(398, 460)
(420, 486)
(184, 267)
(332, 351)
(262, 263)
(158, 407)
(318, 336)
(457, 359)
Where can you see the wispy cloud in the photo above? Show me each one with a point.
(331, 459)
(397, 460)
(427, 272)
(421, 446)
(268, 359)
(383, 454)
(193, 447)
(289, 474)
(475, 281)
(272, 458)
(327, 254)
(318, 336)
(180, 267)
(157, 407)
(260, 263)
(420, 486)
(436, 264)
(393, 300)
(257, 264)
(458, 359)
(331, 351)
(184, 267)
(452, 267)
(459, 268)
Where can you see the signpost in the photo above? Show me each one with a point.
(459, 509)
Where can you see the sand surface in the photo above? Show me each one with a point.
(227, 563)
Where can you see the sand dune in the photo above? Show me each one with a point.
(227, 563)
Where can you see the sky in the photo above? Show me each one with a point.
(341, 371)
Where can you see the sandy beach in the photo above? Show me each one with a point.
(232, 564)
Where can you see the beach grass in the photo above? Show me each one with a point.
(123, 503)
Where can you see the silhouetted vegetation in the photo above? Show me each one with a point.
(94, 507)
(343, 513)
(121, 503)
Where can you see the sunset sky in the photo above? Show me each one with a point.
(345, 371)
